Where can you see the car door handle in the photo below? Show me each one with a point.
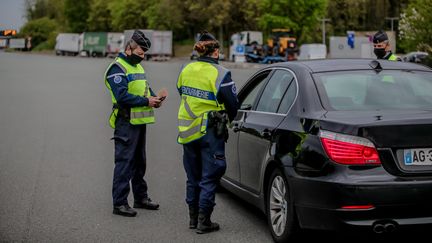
(266, 133)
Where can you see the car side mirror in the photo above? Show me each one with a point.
(246, 107)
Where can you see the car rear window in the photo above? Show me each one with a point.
(369, 90)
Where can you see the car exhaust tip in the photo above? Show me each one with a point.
(378, 228)
(384, 226)
(390, 227)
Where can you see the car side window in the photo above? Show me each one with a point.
(288, 98)
(274, 91)
(253, 91)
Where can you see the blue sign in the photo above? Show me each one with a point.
(350, 37)
(240, 48)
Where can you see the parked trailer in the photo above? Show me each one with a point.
(67, 44)
(161, 43)
(339, 48)
(114, 43)
(3, 43)
(93, 44)
(17, 43)
(312, 51)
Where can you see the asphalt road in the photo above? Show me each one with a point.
(56, 160)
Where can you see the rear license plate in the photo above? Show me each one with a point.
(418, 156)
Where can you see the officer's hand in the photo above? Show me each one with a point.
(161, 101)
(154, 102)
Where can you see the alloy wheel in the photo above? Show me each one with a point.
(278, 205)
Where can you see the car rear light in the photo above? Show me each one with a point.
(357, 207)
(349, 150)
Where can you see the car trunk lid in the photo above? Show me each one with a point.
(403, 138)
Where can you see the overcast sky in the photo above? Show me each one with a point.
(12, 14)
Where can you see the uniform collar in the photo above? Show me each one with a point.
(208, 59)
(387, 55)
(123, 56)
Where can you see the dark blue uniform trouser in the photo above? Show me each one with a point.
(204, 163)
(130, 161)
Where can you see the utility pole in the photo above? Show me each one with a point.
(392, 19)
(323, 20)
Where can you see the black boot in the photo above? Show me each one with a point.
(124, 210)
(146, 203)
(205, 225)
(193, 217)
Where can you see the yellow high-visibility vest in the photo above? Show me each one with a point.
(393, 57)
(198, 83)
(137, 85)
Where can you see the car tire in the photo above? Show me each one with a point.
(281, 217)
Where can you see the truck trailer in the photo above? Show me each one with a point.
(67, 44)
(161, 43)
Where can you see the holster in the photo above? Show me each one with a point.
(122, 112)
(219, 120)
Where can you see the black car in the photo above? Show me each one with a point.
(334, 145)
(417, 57)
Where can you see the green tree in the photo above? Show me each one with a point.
(414, 26)
(164, 15)
(99, 16)
(300, 16)
(53, 9)
(42, 31)
(128, 14)
(76, 13)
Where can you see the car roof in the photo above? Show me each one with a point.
(328, 65)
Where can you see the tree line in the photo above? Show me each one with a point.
(185, 18)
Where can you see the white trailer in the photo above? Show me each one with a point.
(115, 43)
(3, 43)
(17, 43)
(312, 51)
(339, 48)
(67, 44)
(161, 43)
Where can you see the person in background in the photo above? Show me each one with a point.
(382, 48)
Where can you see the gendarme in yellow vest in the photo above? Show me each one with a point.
(198, 83)
(137, 85)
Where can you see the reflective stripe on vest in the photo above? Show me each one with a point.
(137, 85)
(141, 114)
(198, 83)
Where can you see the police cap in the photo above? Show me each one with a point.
(379, 37)
(139, 38)
(206, 36)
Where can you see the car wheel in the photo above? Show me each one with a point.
(280, 209)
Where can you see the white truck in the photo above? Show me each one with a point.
(312, 51)
(67, 44)
(115, 43)
(3, 43)
(17, 43)
(161, 43)
(240, 41)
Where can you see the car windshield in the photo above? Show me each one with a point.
(370, 90)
